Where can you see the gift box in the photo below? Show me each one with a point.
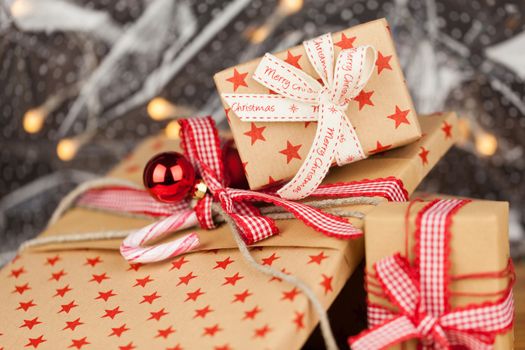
(85, 295)
(382, 114)
(455, 252)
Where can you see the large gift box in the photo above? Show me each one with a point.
(438, 269)
(382, 114)
(84, 295)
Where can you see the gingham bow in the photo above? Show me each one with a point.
(420, 297)
(300, 97)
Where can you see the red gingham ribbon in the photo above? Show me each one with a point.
(421, 297)
(201, 145)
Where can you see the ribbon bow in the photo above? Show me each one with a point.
(420, 296)
(202, 147)
(300, 97)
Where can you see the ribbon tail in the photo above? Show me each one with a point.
(349, 149)
(253, 226)
(383, 336)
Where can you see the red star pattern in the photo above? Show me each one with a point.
(93, 261)
(291, 294)
(142, 281)
(299, 320)
(25, 305)
(241, 297)
(78, 343)
(52, 261)
(269, 260)
(186, 279)
(129, 346)
(255, 133)
(252, 313)
(165, 333)
(291, 152)
(232, 279)
(67, 307)
(317, 259)
(345, 42)
(326, 283)
(364, 98)
(57, 275)
(22, 289)
(400, 117)
(105, 295)
(237, 79)
(111, 313)
(223, 264)
(157, 315)
(72, 324)
(222, 347)
(447, 130)
(30, 323)
(211, 331)
(203, 312)
(118, 331)
(61, 292)
(379, 148)
(383, 62)
(194, 295)
(271, 180)
(150, 298)
(176, 347)
(293, 60)
(261, 332)
(99, 278)
(177, 264)
(134, 266)
(423, 154)
(17, 272)
(283, 270)
(35, 342)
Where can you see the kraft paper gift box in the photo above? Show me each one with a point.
(382, 114)
(84, 295)
(478, 244)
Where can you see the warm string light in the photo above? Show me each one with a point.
(68, 148)
(289, 7)
(486, 144)
(173, 130)
(20, 8)
(34, 120)
(260, 34)
(160, 109)
(463, 131)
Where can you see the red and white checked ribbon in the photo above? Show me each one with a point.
(300, 97)
(421, 297)
(202, 147)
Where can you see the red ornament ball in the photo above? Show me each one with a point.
(233, 167)
(169, 177)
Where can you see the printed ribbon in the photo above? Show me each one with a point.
(202, 147)
(421, 297)
(300, 97)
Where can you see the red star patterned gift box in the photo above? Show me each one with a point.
(273, 124)
(84, 295)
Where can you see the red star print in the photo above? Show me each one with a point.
(130, 346)
(142, 281)
(290, 295)
(364, 98)
(212, 330)
(271, 180)
(17, 272)
(177, 264)
(255, 133)
(157, 315)
(317, 259)
(134, 266)
(99, 278)
(93, 261)
(67, 307)
(223, 264)
(237, 79)
(383, 62)
(227, 112)
(186, 279)
(400, 117)
(57, 275)
(176, 347)
(30, 323)
(293, 60)
(291, 152)
(379, 148)
(118, 331)
(326, 283)
(232, 279)
(203, 312)
(447, 129)
(194, 295)
(149, 298)
(21, 289)
(261, 332)
(112, 312)
(62, 291)
(251, 314)
(25, 305)
(241, 296)
(52, 261)
(157, 145)
(222, 347)
(105, 295)
(269, 260)
(283, 270)
(423, 154)
(35, 342)
(345, 42)
(306, 124)
(299, 320)
(78, 343)
(72, 324)
(165, 333)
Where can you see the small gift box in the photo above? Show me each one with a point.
(84, 295)
(439, 275)
(337, 98)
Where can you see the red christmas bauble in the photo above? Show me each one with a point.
(169, 177)
(233, 167)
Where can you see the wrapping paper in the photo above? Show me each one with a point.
(71, 294)
(479, 243)
(383, 114)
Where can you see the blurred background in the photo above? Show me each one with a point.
(83, 81)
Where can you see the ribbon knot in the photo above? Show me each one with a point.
(300, 97)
